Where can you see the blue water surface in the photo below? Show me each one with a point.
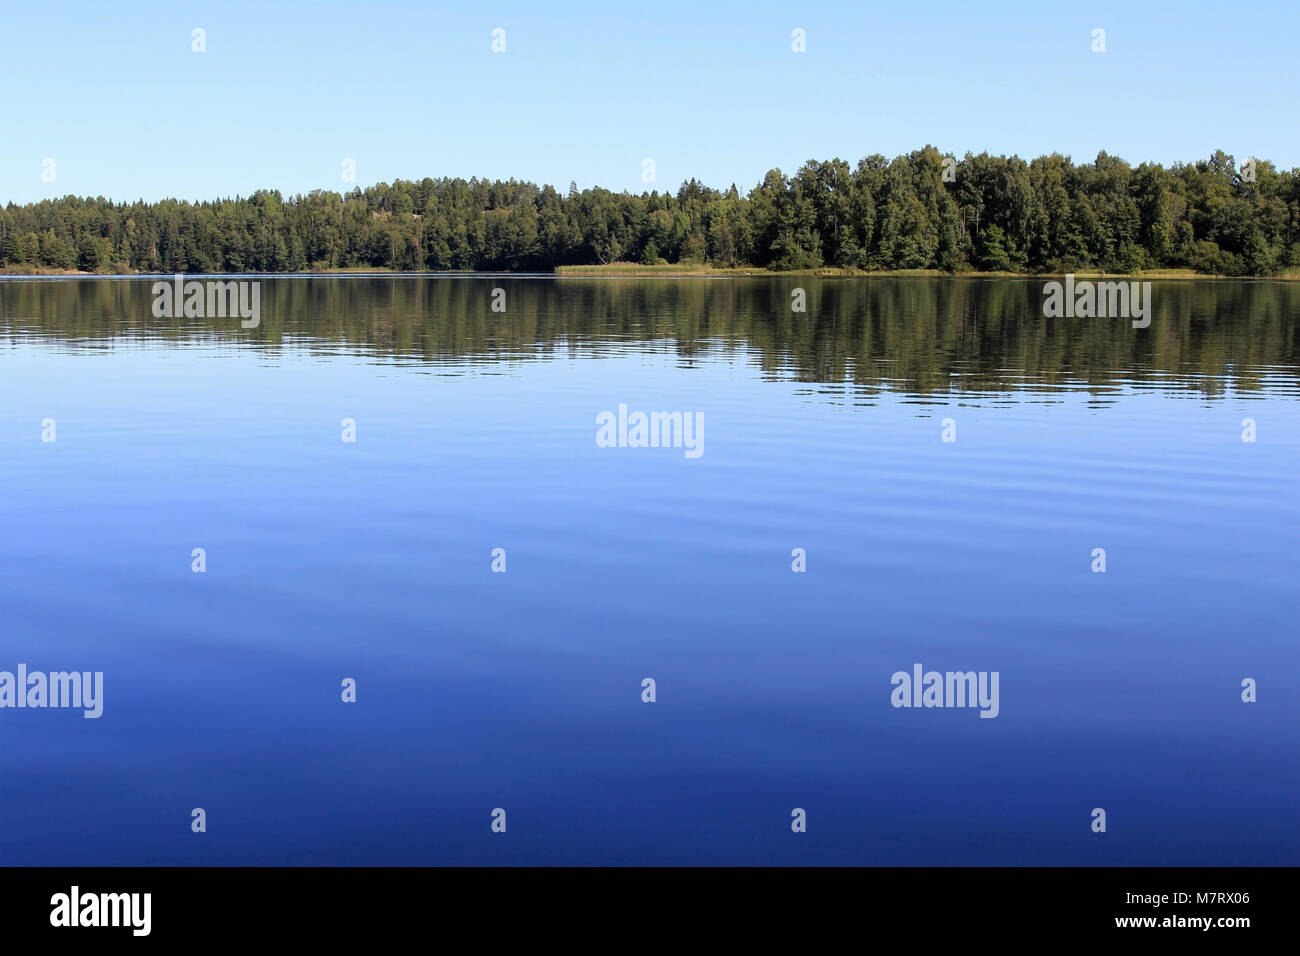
(522, 690)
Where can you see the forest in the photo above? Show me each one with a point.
(919, 211)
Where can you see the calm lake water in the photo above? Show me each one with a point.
(373, 560)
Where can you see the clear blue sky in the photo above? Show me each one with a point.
(586, 90)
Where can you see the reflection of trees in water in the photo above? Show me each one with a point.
(913, 334)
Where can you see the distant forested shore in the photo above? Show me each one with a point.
(922, 211)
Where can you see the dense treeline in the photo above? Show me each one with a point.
(989, 213)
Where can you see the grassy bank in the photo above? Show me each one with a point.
(686, 270)
(667, 270)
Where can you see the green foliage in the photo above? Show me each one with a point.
(993, 253)
(997, 213)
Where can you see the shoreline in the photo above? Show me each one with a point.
(832, 272)
(635, 271)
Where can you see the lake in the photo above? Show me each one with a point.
(394, 485)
